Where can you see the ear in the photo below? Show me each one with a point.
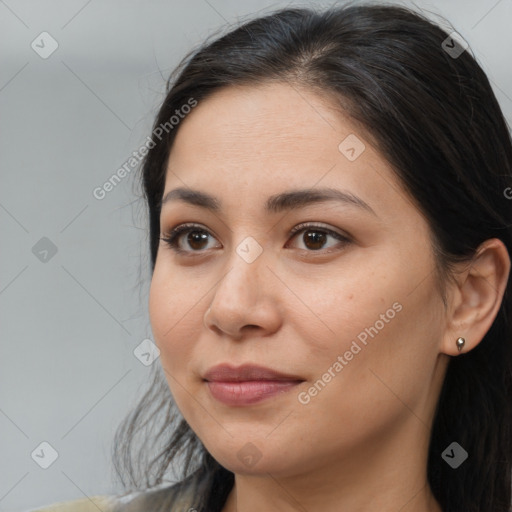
(476, 297)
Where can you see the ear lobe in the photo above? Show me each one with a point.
(477, 297)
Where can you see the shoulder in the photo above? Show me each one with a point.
(91, 504)
(178, 495)
(176, 498)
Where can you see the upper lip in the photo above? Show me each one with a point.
(227, 373)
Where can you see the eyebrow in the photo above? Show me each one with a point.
(289, 200)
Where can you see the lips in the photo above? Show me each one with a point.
(247, 384)
(246, 372)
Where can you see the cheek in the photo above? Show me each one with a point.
(160, 307)
(175, 326)
(173, 320)
(364, 388)
(369, 324)
(334, 311)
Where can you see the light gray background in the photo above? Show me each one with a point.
(69, 325)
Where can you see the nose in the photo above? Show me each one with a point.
(245, 301)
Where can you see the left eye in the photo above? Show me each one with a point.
(314, 237)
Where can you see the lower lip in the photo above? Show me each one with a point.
(248, 392)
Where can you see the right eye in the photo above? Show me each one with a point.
(197, 236)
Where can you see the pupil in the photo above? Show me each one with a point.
(315, 237)
(196, 236)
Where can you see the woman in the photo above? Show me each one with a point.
(330, 236)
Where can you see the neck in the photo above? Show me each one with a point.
(388, 477)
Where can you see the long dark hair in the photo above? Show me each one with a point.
(433, 115)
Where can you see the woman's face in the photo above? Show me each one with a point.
(355, 323)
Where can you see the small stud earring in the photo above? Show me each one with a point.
(460, 343)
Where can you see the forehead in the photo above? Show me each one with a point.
(269, 119)
(255, 141)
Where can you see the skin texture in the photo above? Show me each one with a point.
(361, 442)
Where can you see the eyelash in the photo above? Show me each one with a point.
(172, 237)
